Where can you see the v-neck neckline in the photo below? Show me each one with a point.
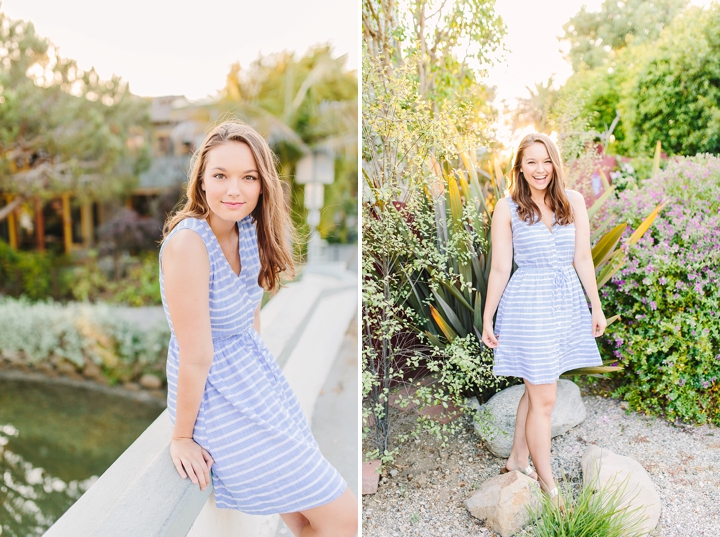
(550, 229)
(227, 263)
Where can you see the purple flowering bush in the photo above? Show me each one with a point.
(668, 295)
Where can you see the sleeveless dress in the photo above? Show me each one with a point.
(543, 320)
(266, 459)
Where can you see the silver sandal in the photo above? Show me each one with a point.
(527, 471)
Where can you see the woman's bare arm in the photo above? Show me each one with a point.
(583, 261)
(186, 274)
(501, 266)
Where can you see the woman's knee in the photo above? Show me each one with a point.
(542, 400)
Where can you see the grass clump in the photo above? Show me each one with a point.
(596, 512)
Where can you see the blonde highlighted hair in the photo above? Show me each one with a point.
(555, 196)
(272, 213)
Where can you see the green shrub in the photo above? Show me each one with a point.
(139, 285)
(46, 332)
(35, 275)
(41, 276)
(668, 296)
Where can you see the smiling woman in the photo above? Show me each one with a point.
(543, 326)
(234, 414)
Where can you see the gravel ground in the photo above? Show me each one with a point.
(423, 492)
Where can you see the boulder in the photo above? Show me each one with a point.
(501, 410)
(91, 370)
(150, 382)
(504, 502)
(66, 368)
(131, 386)
(601, 467)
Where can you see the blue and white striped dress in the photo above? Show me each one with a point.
(266, 459)
(543, 320)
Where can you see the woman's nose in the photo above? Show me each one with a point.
(233, 187)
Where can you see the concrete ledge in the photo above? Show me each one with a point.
(141, 494)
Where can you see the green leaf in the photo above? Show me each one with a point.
(450, 314)
(456, 293)
(656, 159)
(606, 246)
(614, 264)
(600, 201)
(478, 317)
(599, 231)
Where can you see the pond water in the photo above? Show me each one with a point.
(55, 441)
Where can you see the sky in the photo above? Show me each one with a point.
(532, 41)
(533, 50)
(163, 47)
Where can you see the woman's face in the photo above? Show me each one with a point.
(536, 167)
(231, 181)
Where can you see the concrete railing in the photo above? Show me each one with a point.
(142, 495)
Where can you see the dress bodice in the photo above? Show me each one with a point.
(535, 246)
(233, 298)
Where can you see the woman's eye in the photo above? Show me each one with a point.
(219, 176)
(250, 178)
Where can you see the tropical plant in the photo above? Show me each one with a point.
(396, 229)
(416, 106)
(449, 300)
(303, 104)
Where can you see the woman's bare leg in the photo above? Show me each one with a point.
(541, 401)
(337, 518)
(295, 521)
(518, 459)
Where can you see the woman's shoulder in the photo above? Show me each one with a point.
(575, 197)
(503, 208)
(187, 238)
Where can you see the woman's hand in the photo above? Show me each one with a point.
(488, 337)
(599, 323)
(191, 460)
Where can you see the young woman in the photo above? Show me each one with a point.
(231, 408)
(543, 324)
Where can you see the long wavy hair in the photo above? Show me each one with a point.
(555, 196)
(272, 213)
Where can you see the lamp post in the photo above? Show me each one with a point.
(315, 171)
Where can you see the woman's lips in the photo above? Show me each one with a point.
(233, 205)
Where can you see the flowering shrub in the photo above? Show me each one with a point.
(668, 295)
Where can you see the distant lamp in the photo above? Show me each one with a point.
(315, 171)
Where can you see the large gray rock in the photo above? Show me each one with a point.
(496, 418)
(603, 468)
(503, 502)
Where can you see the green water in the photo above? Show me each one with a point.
(55, 441)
